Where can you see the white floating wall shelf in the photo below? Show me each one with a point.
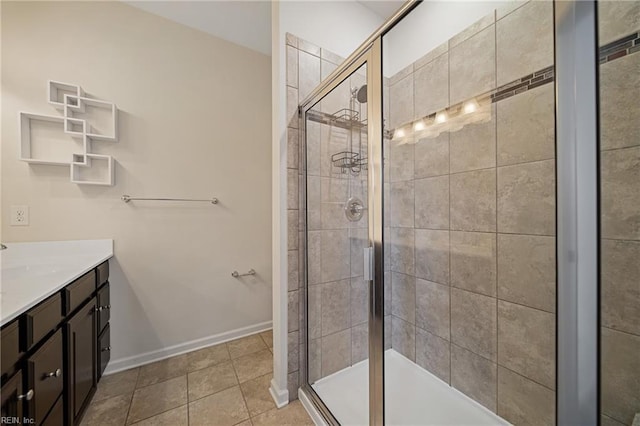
(67, 140)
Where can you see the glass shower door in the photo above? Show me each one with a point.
(337, 232)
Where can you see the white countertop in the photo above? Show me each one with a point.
(31, 272)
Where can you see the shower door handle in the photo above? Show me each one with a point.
(368, 264)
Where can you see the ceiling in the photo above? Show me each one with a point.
(247, 23)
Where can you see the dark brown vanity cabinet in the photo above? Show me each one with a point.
(54, 353)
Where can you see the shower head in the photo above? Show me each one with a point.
(361, 96)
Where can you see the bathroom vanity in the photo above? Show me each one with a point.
(55, 329)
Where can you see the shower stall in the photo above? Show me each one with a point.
(470, 217)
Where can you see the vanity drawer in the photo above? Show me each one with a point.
(56, 415)
(103, 273)
(104, 350)
(45, 372)
(42, 319)
(104, 307)
(10, 346)
(79, 291)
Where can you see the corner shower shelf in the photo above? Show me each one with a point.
(67, 140)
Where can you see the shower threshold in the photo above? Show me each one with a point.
(413, 396)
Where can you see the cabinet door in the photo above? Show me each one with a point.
(81, 343)
(12, 399)
(45, 376)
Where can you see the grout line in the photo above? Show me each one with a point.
(162, 412)
(620, 331)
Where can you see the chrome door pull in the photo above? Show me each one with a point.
(28, 396)
(56, 373)
(368, 264)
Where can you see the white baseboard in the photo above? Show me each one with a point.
(315, 415)
(121, 364)
(280, 396)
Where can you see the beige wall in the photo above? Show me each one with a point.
(194, 122)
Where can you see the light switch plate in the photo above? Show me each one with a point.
(19, 215)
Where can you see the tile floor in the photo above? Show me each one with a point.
(226, 384)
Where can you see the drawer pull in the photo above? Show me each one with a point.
(28, 396)
(56, 373)
(107, 349)
(102, 308)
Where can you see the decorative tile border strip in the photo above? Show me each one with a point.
(622, 47)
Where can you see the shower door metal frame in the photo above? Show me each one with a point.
(372, 58)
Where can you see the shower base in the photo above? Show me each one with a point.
(413, 397)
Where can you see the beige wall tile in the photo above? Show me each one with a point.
(292, 229)
(293, 351)
(315, 360)
(313, 141)
(314, 311)
(432, 308)
(473, 67)
(331, 57)
(432, 255)
(403, 336)
(402, 204)
(293, 148)
(224, 408)
(292, 66)
(526, 342)
(527, 270)
(529, 29)
(401, 102)
(431, 86)
(293, 307)
(620, 289)
(620, 375)
(308, 74)
(620, 189)
(291, 40)
(359, 238)
(335, 307)
(473, 262)
(308, 47)
(403, 299)
(402, 250)
(292, 189)
(314, 204)
(474, 376)
(472, 29)
(400, 75)
(314, 245)
(336, 352)
(619, 94)
(473, 201)
(432, 156)
(474, 146)
(359, 343)
(292, 107)
(433, 354)
(509, 7)
(523, 402)
(335, 255)
(334, 194)
(432, 203)
(473, 322)
(526, 198)
(617, 19)
(526, 126)
(431, 55)
(401, 161)
(293, 258)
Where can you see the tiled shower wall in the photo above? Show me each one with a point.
(471, 227)
(620, 210)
